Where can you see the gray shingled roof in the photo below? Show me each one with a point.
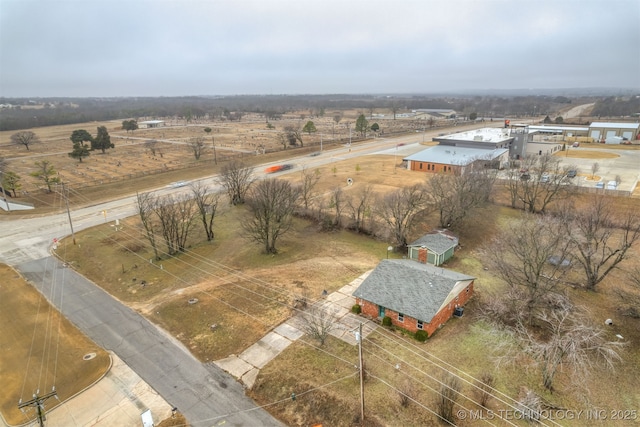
(437, 243)
(409, 287)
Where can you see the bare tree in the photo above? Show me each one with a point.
(360, 206)
(447, 396)
(595, 167)
(46, 173)
(3, 165)
(176, 215)
(399, 209)
(145, 202)
(310, 179)
(293, 134)
(512, 182)
(406, 393)
(151, 145)
(484, 388)
(570, 341)
(455, 195)
(602, 237)
(236, 178)
(530, 255)
(337, 204)
(540, 181)
(318, 321)
(272, 203)
(207, 203)
(25, 138)
(630, 300)
(197, 147)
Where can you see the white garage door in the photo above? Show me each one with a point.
(611, 133)
(627, 135)
(595, 134)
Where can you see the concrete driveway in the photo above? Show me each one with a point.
(246, 366)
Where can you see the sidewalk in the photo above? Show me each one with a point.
(246, 366)
(116, 400)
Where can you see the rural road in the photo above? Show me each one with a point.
(204, 394)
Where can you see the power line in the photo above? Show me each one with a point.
(257, 282)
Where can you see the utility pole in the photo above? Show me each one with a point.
(361, 374)
(66, 201)
(38, 403)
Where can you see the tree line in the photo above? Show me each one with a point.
(59, 111)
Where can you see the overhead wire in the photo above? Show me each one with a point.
(258, 282)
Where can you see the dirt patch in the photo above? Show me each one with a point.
(40, 349)
(587, 154)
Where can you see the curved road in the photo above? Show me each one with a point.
(203, 393)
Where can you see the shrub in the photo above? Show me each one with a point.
(356, 309)
(422, 335)
(386, 321)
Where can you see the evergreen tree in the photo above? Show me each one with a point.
(102, 141)
(362, 125)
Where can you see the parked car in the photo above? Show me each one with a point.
(600, 184)
(545, 177)
(179, 184)
(572, 173)
(576, 144)
(612, 185)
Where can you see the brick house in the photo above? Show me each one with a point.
(415, 296)
(435, 247)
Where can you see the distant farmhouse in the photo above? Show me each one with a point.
(415, 296)
(151, 124)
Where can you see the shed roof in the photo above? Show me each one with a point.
(459, 156)
(409, 287)
(436, 242)
(615, 125)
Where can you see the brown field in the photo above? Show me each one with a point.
(40, 349)
(130, 159)
(587, 154)
(243, 292)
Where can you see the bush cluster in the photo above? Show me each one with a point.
(356, 309)
(421, 335)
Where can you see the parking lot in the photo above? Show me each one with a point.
(626, 166)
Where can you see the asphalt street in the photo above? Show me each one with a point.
(203, 393)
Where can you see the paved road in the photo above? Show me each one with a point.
(203, 393)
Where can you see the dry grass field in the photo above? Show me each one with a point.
(40, 349)
(244, 293)
(132, 158)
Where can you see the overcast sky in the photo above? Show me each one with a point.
(208, 47)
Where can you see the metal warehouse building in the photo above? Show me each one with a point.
(600, 131)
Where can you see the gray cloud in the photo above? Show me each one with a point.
(172, 47)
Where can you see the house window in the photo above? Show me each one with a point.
(419, 325)
(400, 317)
(420, 165)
